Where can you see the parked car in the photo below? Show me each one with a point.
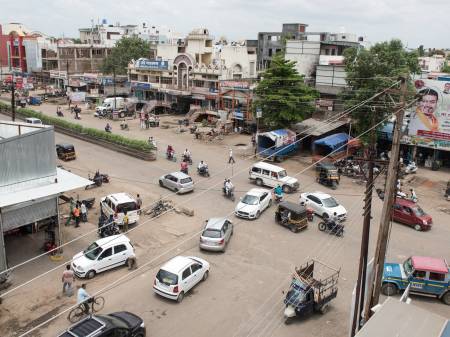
(425, 275)
(122, 323)
(216, 234)
(177, 181)
(409, 213)
(65, 152)
(103, 254)
(179, 275)
(117, 204)
(32, 120)
(323, 205)
(271, 175)
(253, 203)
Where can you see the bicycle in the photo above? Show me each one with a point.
(77, 313)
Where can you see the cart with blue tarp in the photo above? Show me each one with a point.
(276, 145)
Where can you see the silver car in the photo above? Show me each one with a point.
(216, 234)
(177, 181)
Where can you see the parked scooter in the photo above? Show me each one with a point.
(332, 227)
(410, 168)
(106, 228)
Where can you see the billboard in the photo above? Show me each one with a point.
(147, 64)
(429, 122)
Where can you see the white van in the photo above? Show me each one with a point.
(117, 204)
(271, 175)
(103, 254)
(32, 120)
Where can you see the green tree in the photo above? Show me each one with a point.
(126, 49)
(446, 69)
(283, 96)
(372, 70)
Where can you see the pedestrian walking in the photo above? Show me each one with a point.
(231, 158)
(83, 212)
(125, 222)
(139, 203)
(76, 215)
(68, 279)
(142, 120)
(147, 121)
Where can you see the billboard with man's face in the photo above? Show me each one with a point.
(429, 123)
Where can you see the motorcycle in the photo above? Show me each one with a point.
(98, 179)
(229, 195)
(278, 198)
(171, 157)
(187, 159)
(411, 168)
(89, 202)
(106, 229)
(204, 171)
(331, 227)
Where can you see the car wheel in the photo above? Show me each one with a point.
(161, 183)
(322, 226)
(287, 189)
(323, 309)
(389, 289)
(205, 275)
(258, 214)
(180, 297)
(90, 274)
(139, 334)
(417, 227)
(270, 203)
(259, 182)
(446, 298)
(325, 216)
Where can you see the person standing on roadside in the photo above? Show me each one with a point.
(125, 222)
(139, 203)
(83, 212)
(68, 279)
(76, 215)
(231, 158)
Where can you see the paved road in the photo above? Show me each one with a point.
(242, 297)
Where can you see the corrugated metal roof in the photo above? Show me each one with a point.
(65, 181)
(316, 127)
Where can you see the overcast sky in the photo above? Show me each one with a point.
(415, 22)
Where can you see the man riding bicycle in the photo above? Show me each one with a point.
(84, 298)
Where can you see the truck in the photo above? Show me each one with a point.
(110, 104)
(426, 276)
(276, 145)
(313, 286)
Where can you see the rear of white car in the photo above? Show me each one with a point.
(117, 205)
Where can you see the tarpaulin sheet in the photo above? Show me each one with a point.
(334, 142)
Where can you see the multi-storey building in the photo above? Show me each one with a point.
(196, 75)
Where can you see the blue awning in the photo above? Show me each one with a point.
(386, 131)
(334, 141)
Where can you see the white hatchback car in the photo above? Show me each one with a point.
(323, 205)
(253, 203)
(103, 254)
(179, 275)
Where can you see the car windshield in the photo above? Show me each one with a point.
(250, 200)
(93, 251)
(330, 202)
(407, 266)
(167, 277)
(126, 207)
(186, 180)
(282, 174)
(418, 211)
(211, 233)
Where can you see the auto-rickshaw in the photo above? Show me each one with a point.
(65, 152)
(292, 216)
(327, 174)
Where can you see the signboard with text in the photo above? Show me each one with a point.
(144, 63)
(235, 84)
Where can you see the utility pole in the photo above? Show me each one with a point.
(362, 270)
(389, 197)
(13, 100)
(114, 86)
(67, 71)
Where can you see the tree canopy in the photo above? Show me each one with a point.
(126, 49)
(372, 70)
(283, 96)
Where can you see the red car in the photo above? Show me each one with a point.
(409, 213)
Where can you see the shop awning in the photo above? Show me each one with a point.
(334, 141)
(316, 127)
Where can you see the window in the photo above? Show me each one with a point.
(256, 169)
(196, 267)
(270, 52)
(105, 254)
(167, 278)
(126, 207)
(314, 199)
(274, 175)
(397, 207)
(121, 332)
(419, 274)
(437, 277)
(266, 172)
(120, 248)
(186, 273)
(263, 197)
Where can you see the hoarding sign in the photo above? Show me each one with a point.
(429, 123)
(235, 84)
(144, 63)
(77, 96)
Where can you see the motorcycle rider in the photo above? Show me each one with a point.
(184, 167)
(170, 152)
(202, 167)
(228, 185)
(187, 155)
(278, 191)
(413, 196)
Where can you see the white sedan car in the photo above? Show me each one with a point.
(253, 203)
(179, 275)
(323, 205)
